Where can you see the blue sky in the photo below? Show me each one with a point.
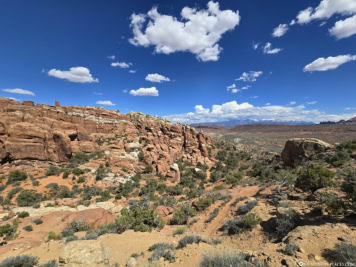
(189, 61)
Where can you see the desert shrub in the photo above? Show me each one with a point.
(79, 158)
(334, 204)
(16, 176)
(244, 209)
(237, 200)
(13, 192)
(339, 158)
(182, 214)
(203, 203)
(245, 223)
(290, 249)
(91, 235)
(52, 186)
(162, 250)
(174, 190)
(28, 228)
(349, 183)
(230, 259)
(78, 226)
(100, 173)
(180, 230)
(8, 231)
(314, 177)
(349, 146)
(28, 198)
(23, 214)
(140, 217)
(234, 178)
(66, 174)
(53, 236)
(190, 239)
(2, 187)
(81, 179)
(37, 221)
(77, 171)
(52, 263)
(19, 261)
(344, 253)
(287, 222)
(141, 156)
(215, 176)
(213, 215)
(148, 169)
(53, 170)
(221, 155)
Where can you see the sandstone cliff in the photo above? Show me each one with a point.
(55, 133)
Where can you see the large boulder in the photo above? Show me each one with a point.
(298, 149)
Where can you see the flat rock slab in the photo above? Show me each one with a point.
(87, 253)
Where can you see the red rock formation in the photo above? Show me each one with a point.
(54, 133)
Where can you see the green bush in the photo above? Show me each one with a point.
(290, 249)
(8, 231)
(245, 223)
(231, 260)
(349, 183)
(16, 176)
(37, 221)
(190, 239)
(53, 171)
(315, 177)
(140, 217)
(244, 209)
(23, 214)
(180, 230)
(286, 222)
(77, 171)
(28, 228)
(100, 173)
(52, 263)
(53, 236)
(148, 169)
(141, 156)
(344, 253)
(234, 178)
(13, 192)
(203, 203)
(19, 261)
(213, 215)
(162, 250)
(182, 214)
(28, 198)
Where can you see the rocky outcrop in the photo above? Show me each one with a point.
(85, 253)
(298, 149)
(54, 133)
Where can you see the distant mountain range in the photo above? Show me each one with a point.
(230, 123)
(350, 121)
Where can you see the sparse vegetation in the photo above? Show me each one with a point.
(245, 223)
(314, 177)
(16, 176)
(19, 261)
(230, 259)
(190, 239)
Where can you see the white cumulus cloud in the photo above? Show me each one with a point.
(105, 103)
(19, 91)
(267, 49)
(156, 78)
(235, 90)
(344, 28)
(280, 30)
(330, 63)
(328, 8)
(122, 65)
(198, 31)
(74, 74)
(152, 91)
(234, 110)
(250, 76)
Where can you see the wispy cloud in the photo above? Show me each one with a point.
(280, 30)
(122, 65)
(250, 76)
(105, 103)
(267, 49)
(19, 91)
(330, 63)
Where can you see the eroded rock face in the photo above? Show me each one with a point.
(298, 149)
(54, 133)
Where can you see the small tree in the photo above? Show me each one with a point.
(315, 177)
